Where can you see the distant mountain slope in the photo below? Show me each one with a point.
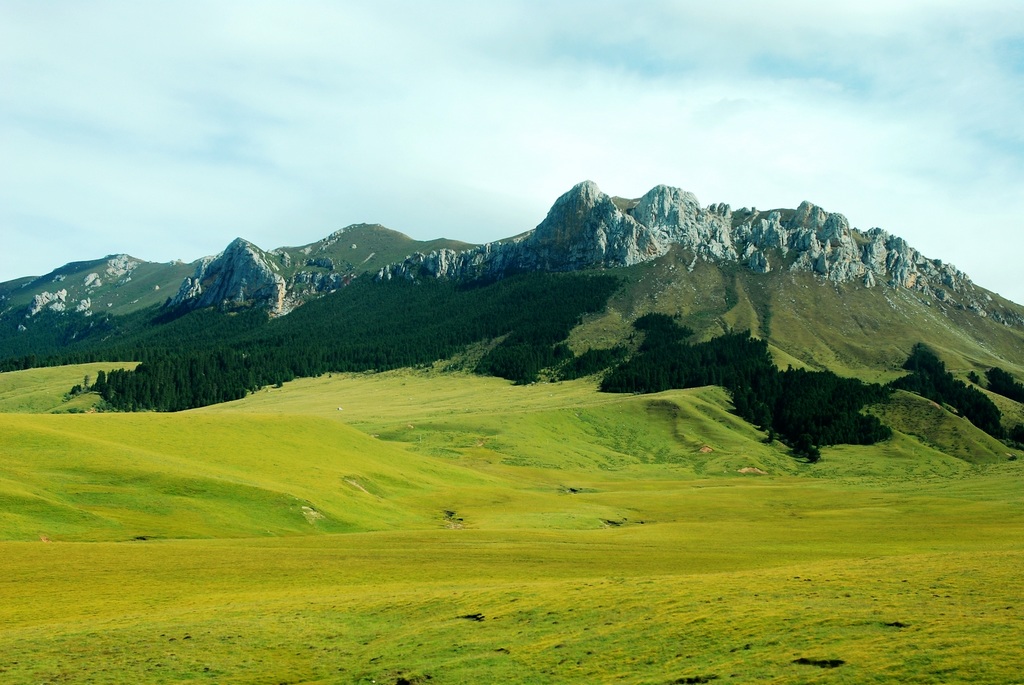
(846, 327)
(284, 278)
(117, 284)
(41, 314)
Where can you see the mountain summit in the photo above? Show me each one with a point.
(238, 276)
(587, 228)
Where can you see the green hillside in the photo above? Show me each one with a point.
(427, 526)
(359, 248)
(847, 328)
(118, 284)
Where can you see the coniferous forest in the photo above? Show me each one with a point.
(1002, 383)
(399, 324)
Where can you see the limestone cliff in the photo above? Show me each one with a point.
(240, 275)
(586, 228)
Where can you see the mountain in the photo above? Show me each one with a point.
(587, 228)
(284, 278)
(117, 284)
(40, 314)
(822, 294)
(121, 284)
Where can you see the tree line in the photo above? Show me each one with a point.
(367, 326)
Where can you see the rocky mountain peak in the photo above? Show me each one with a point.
(585, 228)
(574, 217)
(240, 275)
(587, 192)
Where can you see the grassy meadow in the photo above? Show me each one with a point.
(425, 527)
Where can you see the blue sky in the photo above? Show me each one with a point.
(166, 129)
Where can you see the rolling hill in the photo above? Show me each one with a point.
(435, 526)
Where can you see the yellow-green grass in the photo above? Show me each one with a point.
(552, 608)
(46, 389)
(119, 476)
(1013, 412)
(597, 538)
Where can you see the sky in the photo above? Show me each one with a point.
(166, 129)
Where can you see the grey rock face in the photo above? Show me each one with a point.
(585, 228)
(674, 217)
(757, 261)
(238, 276)
(322, 262)
(121, 267)
(57, 302)
(284, 257)
(305, 284)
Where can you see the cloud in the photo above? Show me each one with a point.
(167, 129)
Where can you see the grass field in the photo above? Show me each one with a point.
(415, 527)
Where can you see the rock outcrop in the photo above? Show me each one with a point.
(244, 275)
(588, 229)
(121, 266)
(240, 275)
(56, 302)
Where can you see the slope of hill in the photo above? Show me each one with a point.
(38, 391)
(856, 331)
(270, 457)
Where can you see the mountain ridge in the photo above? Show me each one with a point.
(586, 228)
(822, 294)
(309, 271)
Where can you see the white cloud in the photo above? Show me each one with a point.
(166, 129)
